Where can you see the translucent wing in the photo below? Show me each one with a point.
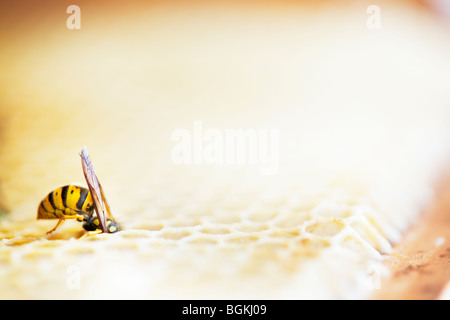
(108, 210)
(101, 205)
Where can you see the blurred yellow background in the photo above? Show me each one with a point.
(135, 72)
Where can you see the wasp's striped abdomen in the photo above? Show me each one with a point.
(66, 202)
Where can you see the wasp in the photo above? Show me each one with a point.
(86, 205)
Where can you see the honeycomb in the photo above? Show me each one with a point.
(241, 233)
(229, 245)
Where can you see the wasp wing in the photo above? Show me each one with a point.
(108, 210)
(94, 187)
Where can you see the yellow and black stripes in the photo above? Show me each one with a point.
(66, 202)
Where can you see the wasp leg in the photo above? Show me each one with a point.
(79, 217)
(90, 233)
(60, 221)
